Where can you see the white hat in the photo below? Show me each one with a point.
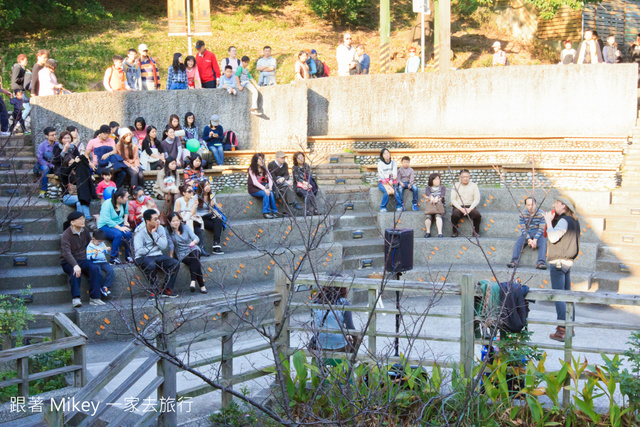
(214, 120)
(497, 44)
(142, 47)
(123, 131)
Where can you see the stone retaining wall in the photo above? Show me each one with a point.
(518, 101)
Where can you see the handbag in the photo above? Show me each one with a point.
(434, 209)
(389, 189)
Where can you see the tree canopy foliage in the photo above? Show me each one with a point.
(30, 15)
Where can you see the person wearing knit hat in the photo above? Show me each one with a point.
(499, 56)
(74, 262)
(563, 234)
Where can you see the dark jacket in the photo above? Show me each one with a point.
(18, 78)
(213, 141)
(278, 171)
(35, 84)
(74, 246)
(515, 309)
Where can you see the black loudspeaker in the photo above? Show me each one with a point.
(398, 250)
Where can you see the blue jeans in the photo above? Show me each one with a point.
(177, 86)
(522, 241)
(385, 197)
(72, 200)
(401, 190)
(268, 202)
(151, 265)
(91, 271)
(117, 237)
(561, 281)
(44, 181)
(218, 153)
(108, 273)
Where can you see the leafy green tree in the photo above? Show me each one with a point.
(21, 15)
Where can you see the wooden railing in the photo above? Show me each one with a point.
(164, 383)
(467, 291)
(65, 335)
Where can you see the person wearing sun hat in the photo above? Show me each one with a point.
(73, 260)
(563, 234)
(499, 56)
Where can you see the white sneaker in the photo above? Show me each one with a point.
(96, 301)
(76, 302)
(5, 133)
(382, 210)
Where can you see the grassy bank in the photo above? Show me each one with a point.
(287, 26)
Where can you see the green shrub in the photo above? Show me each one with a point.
(22, 15)
(40, 363)
(341, 12)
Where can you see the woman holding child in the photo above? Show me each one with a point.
(139, 203)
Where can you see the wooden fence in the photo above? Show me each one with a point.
(278, 309)
(164, 383)
(65, 335)
(467, 291)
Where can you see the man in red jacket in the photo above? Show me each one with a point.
(208, 67)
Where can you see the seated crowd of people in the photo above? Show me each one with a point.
(465, 198)
(137, 228)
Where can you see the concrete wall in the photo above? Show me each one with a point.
(522, 101)
(284, 119)
(527, 101)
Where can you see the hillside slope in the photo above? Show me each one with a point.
(288, 26)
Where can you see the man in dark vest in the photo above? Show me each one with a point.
(563, 233)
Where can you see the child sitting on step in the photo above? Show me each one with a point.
(97, 253)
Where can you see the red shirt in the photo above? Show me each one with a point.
(207, 64)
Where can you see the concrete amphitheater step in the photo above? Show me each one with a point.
(365, 247)
(16, 141)
(10, 152)
(108, 319)
(613, 264)
(510, 200)
(33, 259)
(494, 224)
(355, 233)
(36, 225)
(351, 220)
(21, 242)
(616, 282)
(16, 176)
(458, 251)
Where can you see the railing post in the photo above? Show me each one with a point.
(373, 327)
(467, 293)
(568, 347)
(167, 391)
(52, 416)
(23, 374)
(80, 358)
(226, 366)
(283, 288)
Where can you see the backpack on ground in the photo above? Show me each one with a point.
(229, 141)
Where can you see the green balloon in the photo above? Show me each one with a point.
(193, 145)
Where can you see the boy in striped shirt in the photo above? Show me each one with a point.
(532, 225)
